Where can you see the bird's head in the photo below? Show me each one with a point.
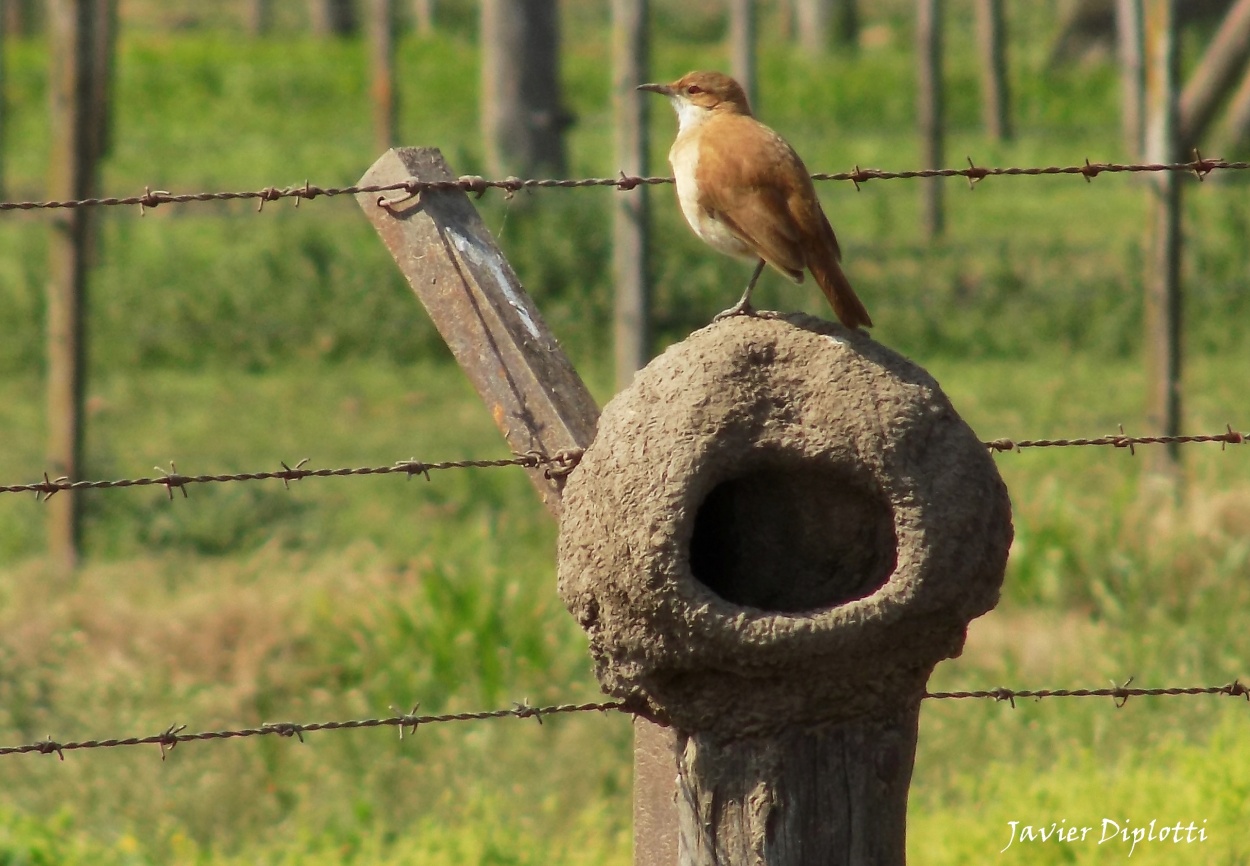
(697, 95)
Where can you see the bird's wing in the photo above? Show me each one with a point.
(738, 185)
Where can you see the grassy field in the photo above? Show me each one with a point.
(229, 341)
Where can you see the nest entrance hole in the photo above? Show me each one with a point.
(793, 538)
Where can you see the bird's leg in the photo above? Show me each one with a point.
(743, 307)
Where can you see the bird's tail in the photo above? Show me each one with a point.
(837, 288)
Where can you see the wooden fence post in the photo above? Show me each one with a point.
(777, 586)
(423, 14)
(1216, 75)
(523, 113)
(631, 241)
(742, 47)
(1163, 280)
(4, 89)
(79, 123)
(491, 325)
(930, 111)
(380, 26)
(258, 17)
(996, 100)
(1129, 50)
(532, 391)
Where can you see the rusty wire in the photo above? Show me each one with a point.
(150, 198)
(173, 735)
(560, 463)
(1121, 694)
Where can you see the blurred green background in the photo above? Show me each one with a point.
(229, 340)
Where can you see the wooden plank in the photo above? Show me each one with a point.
(1163, 279)
(631, 242)
(478, 305)
(930, 112)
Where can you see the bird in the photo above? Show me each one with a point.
(744, 190)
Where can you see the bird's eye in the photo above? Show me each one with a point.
(692, 89)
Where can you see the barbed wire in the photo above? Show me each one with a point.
(173, 735)
(1121, 694)
(560, 463)
(478, 185)
(1120, 440)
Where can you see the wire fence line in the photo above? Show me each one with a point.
(478, 185)
(411, 722)
(560, 463)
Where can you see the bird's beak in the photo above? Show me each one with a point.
(662, 89)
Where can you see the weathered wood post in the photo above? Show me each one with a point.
(930, 112)
(533, 393)
(1163, 296)
(779, 529)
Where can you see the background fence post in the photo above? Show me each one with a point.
(742, 47)
(930, 112)
(81, 34)
(631, 241)
(523, 114)
(996, 101)
(380, 26)
(1163, 279)
(4, 89)
(1129, 51)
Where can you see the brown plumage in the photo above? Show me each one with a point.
(745, 191)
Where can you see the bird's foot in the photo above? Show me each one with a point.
(742, 308)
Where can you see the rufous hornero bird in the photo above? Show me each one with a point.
(744, 191)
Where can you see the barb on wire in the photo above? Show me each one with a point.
(560, 463)
(173, 735)
(150, 198)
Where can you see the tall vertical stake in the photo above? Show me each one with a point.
(76, 143)
(992, 36)
(742, 47)
(4, 103)
(1163, 281)
(1129, 36)
(381, 30)
(631, 246)
(929, 111)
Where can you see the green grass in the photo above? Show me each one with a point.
(228, 340)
